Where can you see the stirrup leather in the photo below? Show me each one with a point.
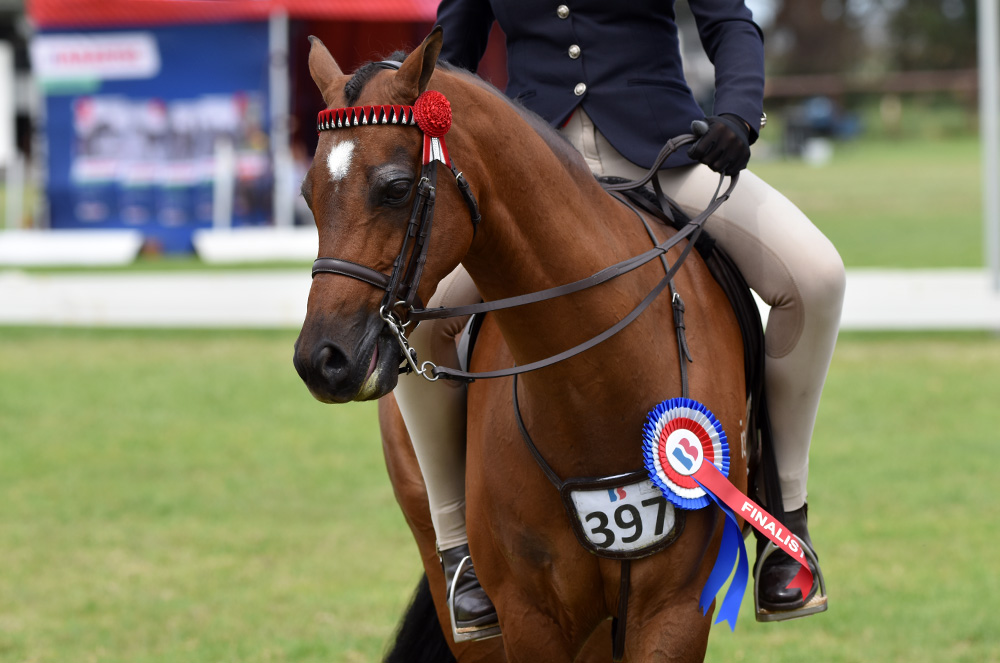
(468, 633)
(817, 603)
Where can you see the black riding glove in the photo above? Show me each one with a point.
(725, 147)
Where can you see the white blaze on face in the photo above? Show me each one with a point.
(339, 160)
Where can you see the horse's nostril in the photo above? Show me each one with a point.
(331, 362)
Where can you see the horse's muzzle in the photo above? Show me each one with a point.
(337, 373)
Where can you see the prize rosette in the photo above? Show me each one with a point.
(687, 458)
(680, 435)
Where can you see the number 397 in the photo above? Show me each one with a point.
(628, 521)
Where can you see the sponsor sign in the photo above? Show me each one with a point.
(101, 56)
(133, 119)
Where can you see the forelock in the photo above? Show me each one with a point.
(364, 73)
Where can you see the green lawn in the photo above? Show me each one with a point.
(903, 508)
(179, 496)
(890, 203)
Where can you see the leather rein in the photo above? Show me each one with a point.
(400, 301)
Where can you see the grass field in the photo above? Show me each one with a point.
(890, 203)
(178, 496)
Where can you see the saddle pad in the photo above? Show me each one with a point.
(621, 517)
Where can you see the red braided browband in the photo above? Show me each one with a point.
(355, 116)
(431, 113)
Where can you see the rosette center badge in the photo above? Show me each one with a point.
(682, 449)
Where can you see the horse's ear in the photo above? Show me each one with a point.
(324, 69)
(415, 73)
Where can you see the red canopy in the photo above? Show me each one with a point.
(111, 13)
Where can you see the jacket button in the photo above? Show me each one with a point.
(562, 11)
(580, 89)
(574, 51)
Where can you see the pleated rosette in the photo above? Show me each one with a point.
(679, 435)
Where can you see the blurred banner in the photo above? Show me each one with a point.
(133, 118)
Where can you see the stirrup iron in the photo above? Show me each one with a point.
(470, 633)
(817, 603)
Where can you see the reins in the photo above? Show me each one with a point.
(432, 114)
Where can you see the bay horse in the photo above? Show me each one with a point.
(545, 222)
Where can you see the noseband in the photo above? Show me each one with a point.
(431, 113)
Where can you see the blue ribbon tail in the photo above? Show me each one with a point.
(731, 546)
(730, 609)
(722, 569)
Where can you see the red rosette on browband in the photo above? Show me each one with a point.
(432, 112)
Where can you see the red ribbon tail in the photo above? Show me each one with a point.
(714, 481)
(803, 581)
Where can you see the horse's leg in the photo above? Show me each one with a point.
(675, 634)
(408, 486)
(597, 649)
(539, 577)
(669, 626)
(530, 635)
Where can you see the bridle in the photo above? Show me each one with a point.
(400, 306)
(432, 115)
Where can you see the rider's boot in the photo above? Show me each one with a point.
(473, 616)
(774, 569)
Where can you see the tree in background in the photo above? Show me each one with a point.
(934, 34)
(813, 37)
(849, 36)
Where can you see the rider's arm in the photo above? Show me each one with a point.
(735, 45)
(466, 25)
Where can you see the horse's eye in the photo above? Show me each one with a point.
(398, 191)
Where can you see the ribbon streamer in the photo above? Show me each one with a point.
(732, 546)
(718, 486)
(687, 456)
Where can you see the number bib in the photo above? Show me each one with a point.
(621, 517)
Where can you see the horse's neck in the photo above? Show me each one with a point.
(545, 225)
(546, 221)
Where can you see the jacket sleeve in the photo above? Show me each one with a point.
(735, 45)
(466, 25)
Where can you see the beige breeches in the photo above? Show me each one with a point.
(785, 259)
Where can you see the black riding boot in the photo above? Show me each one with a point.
(774, 597)
(474, 610)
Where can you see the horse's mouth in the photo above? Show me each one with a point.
(382, 373)
(369, 388)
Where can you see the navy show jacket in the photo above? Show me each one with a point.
(617, 59)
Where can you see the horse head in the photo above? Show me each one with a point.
(366, 194)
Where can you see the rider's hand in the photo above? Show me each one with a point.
(725, 147)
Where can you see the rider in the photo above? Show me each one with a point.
(609, 77)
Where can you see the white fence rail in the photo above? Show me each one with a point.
(877, 299)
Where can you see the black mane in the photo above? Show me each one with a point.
(364, 73)
(556, 142)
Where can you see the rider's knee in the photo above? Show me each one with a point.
(823, 292)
